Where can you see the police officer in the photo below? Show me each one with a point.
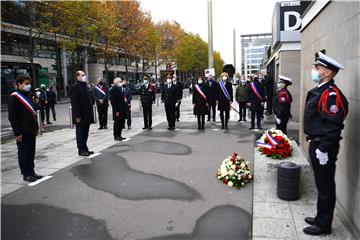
(169, 96)
(100, 93)
(282, 103)
(211, 89)
(325, 110)
(119, 108)
(179, 89)
(22, 117)
(147, 99)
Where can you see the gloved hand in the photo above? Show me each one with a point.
(278, 120)
(322, 156)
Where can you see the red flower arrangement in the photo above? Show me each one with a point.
(275, 144)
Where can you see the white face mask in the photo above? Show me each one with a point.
(168, 80)
(200, 81)
(27, 88)
(83, 79)
(146, 81)
(224, 78)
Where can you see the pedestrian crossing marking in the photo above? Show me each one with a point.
(39, 181)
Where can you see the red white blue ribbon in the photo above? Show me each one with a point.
(24, 101)
(253, 87)
(225, 91)
(100, 90)
(261, 144)
(198, 89)
(271, 138)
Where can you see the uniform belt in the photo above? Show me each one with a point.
(313, 139)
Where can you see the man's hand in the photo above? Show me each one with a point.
(322, 156)
(278, 120)
(19, 138)
(101, 101)
(78, 120)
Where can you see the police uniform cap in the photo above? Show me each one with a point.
(328, 62)
(286, 79)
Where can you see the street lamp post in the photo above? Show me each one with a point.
(210, 35)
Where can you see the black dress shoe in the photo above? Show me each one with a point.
(145, 128)
(315, 230)
(37, 176)
(129, 127)
(251, 128)
(85, 154)
(260, 128)
(90, 152)
(222, 127)
(30, 178)
(150, 128)
(310, 220)
(122, 138)
(101, 127)
(105, 127)
(169, 128)
(48, 122)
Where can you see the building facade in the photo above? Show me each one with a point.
(253, 48)
(333, 26)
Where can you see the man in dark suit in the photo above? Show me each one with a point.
(100, 93)
(52, 102)
(211, 89)
(119, 108)
(22, 117)
(147, 99)
(82, 112)
(257, 98)
(169, 96)
(179, 89)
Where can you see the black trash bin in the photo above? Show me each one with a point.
(288, 181)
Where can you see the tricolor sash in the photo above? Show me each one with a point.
(271, 138)
(253, 87)
(100, 90)
(198, 89)
(225, 91)
(24, 101)
(261, 144)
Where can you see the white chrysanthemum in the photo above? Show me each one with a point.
(230, 184)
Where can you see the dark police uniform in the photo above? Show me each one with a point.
(200, 108)
(325, 111)
(323, 122)
(23, 122)
(118, 105)
(169, 96)
(128, 97)
(212, 88)
(282, 108)
(101, 107)
(224, 103)
(147, 98)
(82, 107)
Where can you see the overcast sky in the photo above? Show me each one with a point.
(246, 16)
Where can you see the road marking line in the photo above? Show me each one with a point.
(215, 129)
(39, 181)
(127, 139)
(94, 155)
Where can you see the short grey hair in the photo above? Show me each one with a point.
(116, 80)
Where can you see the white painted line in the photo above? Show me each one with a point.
(39, 181)
(94, 155)
(126, 140)
(216, 129)
(177, 129)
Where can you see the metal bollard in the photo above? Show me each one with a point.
(38, 116)
(70, 117)
(94, 110)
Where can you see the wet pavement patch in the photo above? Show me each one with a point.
(39, 221)
(222, 222)
(110, 173)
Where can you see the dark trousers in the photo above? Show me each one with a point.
(201, 121)
(177, 112)
(283, 124)
(258, 115)
(52, 108)
(47, 113)
(170, 114)
(147, 112)
(224, 122)
(26, 154)
(128, 121)
(242, 111)
(269, 102)
(325, 185)
(119, 124)
(82, 133)
(103, 115)
(212, 109)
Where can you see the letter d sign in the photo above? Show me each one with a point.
(297, 24)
